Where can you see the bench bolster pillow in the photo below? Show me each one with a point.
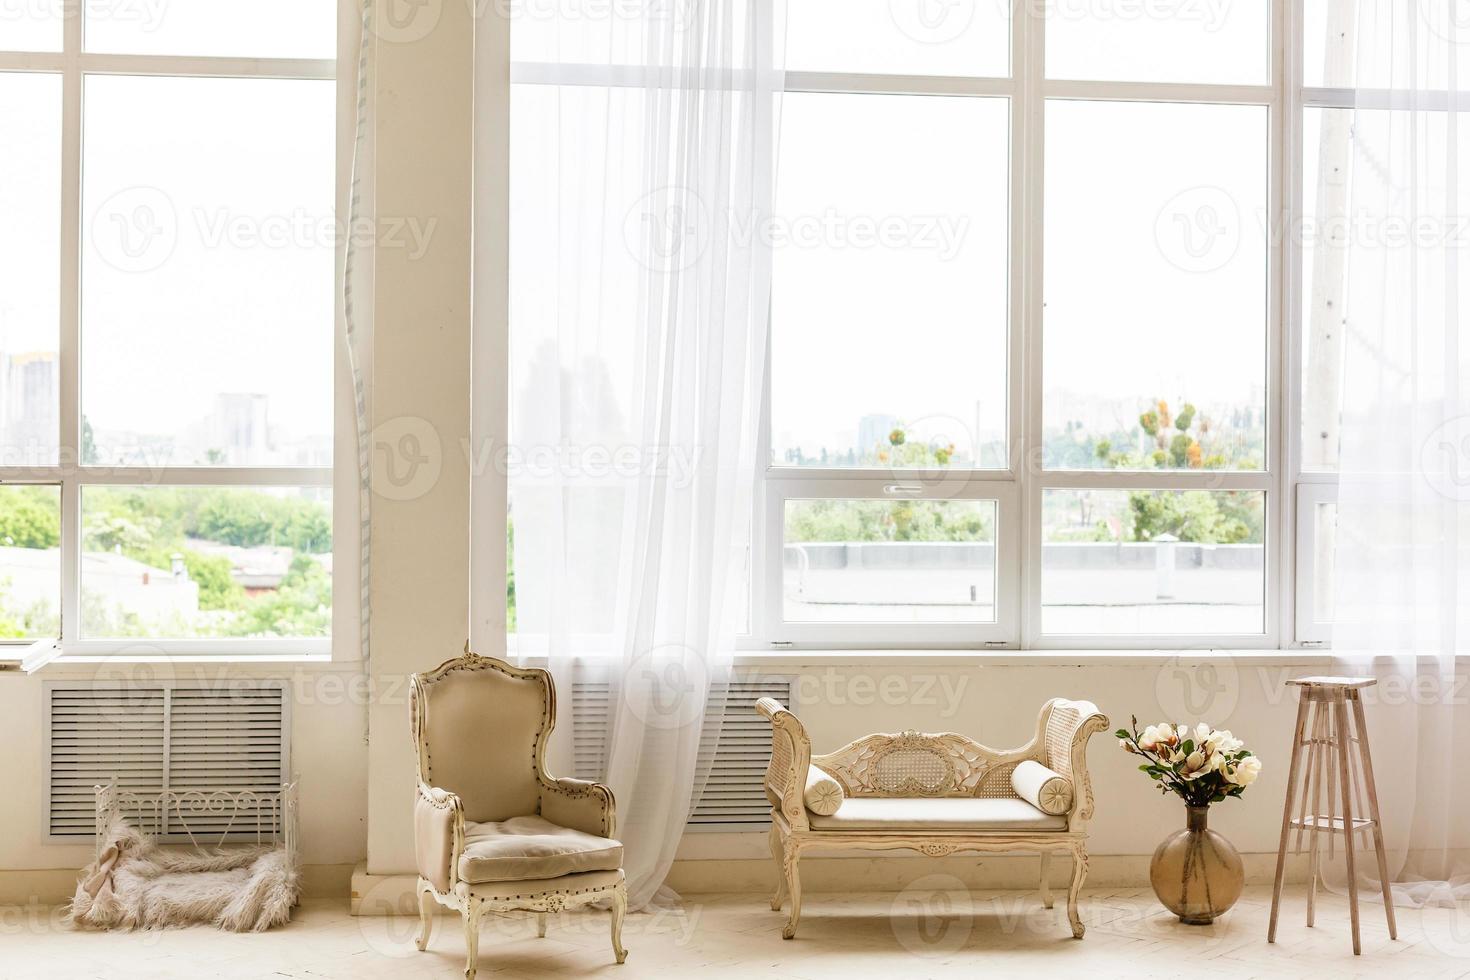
(1043, 788)
(823, 793)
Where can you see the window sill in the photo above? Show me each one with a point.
(1024, 658)
(265, 665)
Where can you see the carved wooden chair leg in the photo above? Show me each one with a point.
(793, 887)
(472, 913)
(1079, 875)
(540, 925)
(778, 852)
(426, 918)
(1046, 879)
(619, 908)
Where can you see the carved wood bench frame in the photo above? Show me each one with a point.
(916, 765)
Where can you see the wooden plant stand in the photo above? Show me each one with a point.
(1329, 734)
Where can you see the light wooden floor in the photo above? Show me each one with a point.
(933, 929)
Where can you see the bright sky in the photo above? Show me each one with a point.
(207, 260)
(207, 216)
(1155, 245)
(1155, 222)
(891, 291)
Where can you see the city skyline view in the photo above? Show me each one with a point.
(237, 428)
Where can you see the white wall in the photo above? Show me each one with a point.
(356, 794)
(997, 705)
(420, 388)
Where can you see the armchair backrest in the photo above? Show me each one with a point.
(481, 727)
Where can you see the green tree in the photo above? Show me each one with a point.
(1193, 516)
(133, 537)
(89, 444)
(212, 573)
(510, 575)
(29, 517)
(887, 520)
(301, 606)
(152, 524)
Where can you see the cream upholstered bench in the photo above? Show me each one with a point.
(936, 794)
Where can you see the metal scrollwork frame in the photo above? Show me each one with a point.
(176, 816)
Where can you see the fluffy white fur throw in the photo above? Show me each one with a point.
(138, 885)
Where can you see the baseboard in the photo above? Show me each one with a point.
(55, 886)
(393, 894)
(976, 872)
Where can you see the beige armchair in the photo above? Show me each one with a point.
(936, 794)
(493, 831)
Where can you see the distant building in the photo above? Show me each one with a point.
(31, 576)
(258, 569)
(239, 428)
(873, 431)
(30, 407)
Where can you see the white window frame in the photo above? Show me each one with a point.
(1020, 485)
(72, 63)
(1019, 529)
(1310, 631)
(1314, 486)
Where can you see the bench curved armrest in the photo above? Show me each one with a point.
(438, 835)
(1069, 724)
(791, 758)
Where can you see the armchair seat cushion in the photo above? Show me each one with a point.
(954, 815)
(529, 848)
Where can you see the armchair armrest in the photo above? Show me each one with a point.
(579, 805)
(438, 835)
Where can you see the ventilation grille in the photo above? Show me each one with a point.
(190, 741)
(733, 796)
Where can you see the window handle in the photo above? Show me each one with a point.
(903, 488)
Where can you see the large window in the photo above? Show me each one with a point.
(1053, 350)
(168, 245)
(1349, 116)
(1042, 415)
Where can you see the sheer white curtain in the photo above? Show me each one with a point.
(1402, 592)
(643, 154)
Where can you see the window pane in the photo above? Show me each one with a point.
(1350, 211)
(1156, 280)
(166, 562)
(1326, 161)
(1153, 561)
(889, 300)
(257, 29)
(30, 262)
(207, 271)
(30, 25)
(903, 37)
(30, 562)
(1225, 42)
(1367, 43)
(1324, 541)
(585, 32)
(889, 561)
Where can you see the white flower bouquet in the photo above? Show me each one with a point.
(1202, 765)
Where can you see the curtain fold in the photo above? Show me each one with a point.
(1402, 567)
(643, 153)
